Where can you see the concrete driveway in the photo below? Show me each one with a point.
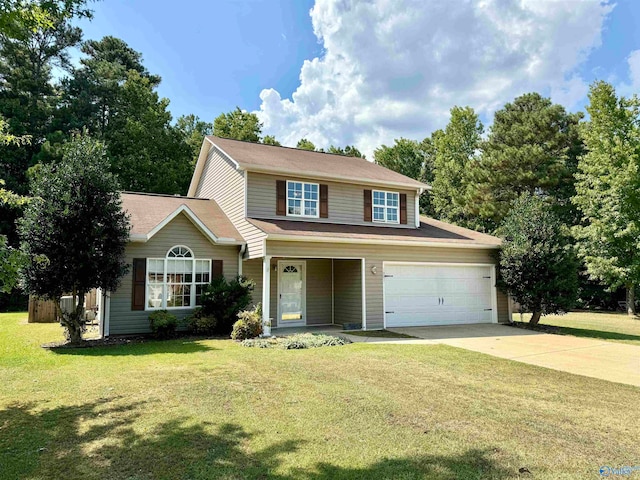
(616, 362)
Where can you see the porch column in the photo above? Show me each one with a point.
(266, 289)
(363, 291)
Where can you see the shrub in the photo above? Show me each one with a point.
(296, 342)
(163, 324)
(201, 324)
(223, 300)
(249, 324)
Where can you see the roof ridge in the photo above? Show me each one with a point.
(294, 148)
(166, 195)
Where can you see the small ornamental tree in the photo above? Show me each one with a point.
(538, 266)
(74, 231)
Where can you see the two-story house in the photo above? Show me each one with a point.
(328, 239)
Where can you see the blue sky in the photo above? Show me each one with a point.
(376, 70)
(212, 55)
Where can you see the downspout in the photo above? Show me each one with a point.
(243, 249)
(107, 313)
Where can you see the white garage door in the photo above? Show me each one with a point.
(423, 294)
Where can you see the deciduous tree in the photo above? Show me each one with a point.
(608, 190)
(305, 144)
(239, 125)
(270, 140)
(456, 148)
(538, 266)
(74, 230)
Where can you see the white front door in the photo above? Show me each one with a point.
(291, 293)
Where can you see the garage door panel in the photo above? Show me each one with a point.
(423, 294)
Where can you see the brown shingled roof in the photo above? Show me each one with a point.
(284, 160)
(147, 211)
(430, 231)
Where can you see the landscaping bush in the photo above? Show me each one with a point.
(249, 324)
(163, 324)
(223, 300)
(201, 324)
(296, 342)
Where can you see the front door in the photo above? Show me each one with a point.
(291, 294)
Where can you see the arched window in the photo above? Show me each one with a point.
(176, 281)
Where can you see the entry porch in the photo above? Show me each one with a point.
(298, 292)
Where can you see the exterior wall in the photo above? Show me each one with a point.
(346, 202)
(319, 286)
(222, 182)
(347, 281)
(180, 231)
(503, 307)
(375, 255)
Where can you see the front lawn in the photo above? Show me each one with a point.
(615, 326)
(214, 409)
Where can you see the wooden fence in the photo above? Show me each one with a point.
(44, 311)
(41, 311)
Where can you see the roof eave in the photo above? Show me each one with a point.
(336, 178)
(375, 241)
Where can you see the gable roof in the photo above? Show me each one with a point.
(430, 233)
(258, 157)
(149, 213)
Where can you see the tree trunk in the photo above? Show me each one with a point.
(631, 300)
(535, 318)
(73, 321)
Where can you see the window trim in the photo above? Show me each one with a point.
(165, 260)
(302, 215)
(385, 207)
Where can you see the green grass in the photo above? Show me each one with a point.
(213, 409)
(378, 333)
(618, 327)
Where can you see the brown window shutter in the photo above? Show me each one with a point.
(139, 277)
(403, 208)
(324, 201)
(216, 268)
(367, 206)
(281, 197)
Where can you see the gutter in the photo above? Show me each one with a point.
(359, 241)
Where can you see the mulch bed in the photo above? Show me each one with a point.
(123, 340)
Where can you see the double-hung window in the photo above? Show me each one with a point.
(176, 281)
(302, 199)
(386, 206)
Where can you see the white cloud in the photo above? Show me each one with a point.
(634, 69)
(394, 68)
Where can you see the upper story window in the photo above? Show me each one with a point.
(176, 281)
(302, 199)
(386, 206)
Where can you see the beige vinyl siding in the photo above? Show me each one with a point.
(180, 231)
(503, 308)
(346, 201)
(375, 255)
(253, 269)
(347, 283)
(318, 291)
(222, 182)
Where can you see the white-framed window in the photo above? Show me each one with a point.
(386, 206)
(177, 280)
(302, 199)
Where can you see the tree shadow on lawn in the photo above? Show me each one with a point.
(576, 332)
(98, 440)
(599, 334)
(146, 347)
